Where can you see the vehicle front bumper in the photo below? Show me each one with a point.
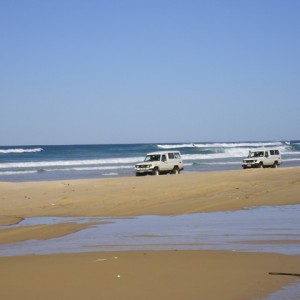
(246, 165)
(145, 170)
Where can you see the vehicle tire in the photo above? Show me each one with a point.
(275, 165)
(176, 171)
(261, 165)
(155, 172)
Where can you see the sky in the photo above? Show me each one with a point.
(146, 71)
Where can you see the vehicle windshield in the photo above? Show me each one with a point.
(154, 157)
(256, 154)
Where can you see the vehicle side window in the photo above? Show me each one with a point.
(171, 155)
(276, 152)
(177, 155)
(272, 152)
(152, 158)
(266, 154)
(163, 158)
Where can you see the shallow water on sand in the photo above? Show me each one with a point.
(289, 292)
(264, 229)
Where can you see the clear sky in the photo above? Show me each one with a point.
(125, 71)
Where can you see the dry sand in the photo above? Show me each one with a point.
(143, 275)
(168, 275)
(161, 195)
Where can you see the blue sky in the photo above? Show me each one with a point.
(77, 72)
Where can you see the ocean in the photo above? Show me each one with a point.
(49, 162)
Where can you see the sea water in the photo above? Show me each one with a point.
(44, 162)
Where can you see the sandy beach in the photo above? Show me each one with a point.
(139, 274)
(144, 275)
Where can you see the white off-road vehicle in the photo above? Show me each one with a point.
(262, 158)
(157, 163)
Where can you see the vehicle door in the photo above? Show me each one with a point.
(164, 166)
(268, 160)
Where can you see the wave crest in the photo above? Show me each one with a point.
(220, 145)
(172, 146)
(62, 163)
(20, 150)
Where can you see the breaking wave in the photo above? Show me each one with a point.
(89, 168)
(221, 145)
(62, 163)
(20, 150)
(171, 146)
(18, 172)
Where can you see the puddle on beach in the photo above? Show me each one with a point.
(264, 229)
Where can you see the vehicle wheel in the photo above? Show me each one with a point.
(156, 172)
(275, 165)
(261, 165)
(176, 171)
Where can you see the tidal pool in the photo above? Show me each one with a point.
(263, 229)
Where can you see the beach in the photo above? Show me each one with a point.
(143, 274)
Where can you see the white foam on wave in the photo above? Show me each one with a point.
(292, 159)
(171, 146)
(235, 145)
(41, 164)
(292, 153)
(20, 150)
(111, 174)
(220, 145)
(17, 172)
(88, 168)
(205, 156)
(228, 153)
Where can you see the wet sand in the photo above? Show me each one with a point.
(143, 275)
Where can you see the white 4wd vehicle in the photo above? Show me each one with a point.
(262, 158)
(157, 163)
